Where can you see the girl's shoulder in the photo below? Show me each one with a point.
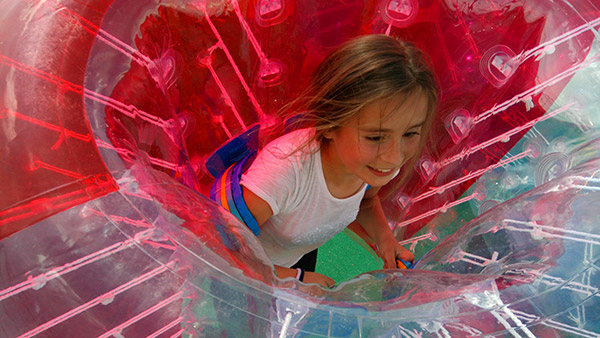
(297, 141)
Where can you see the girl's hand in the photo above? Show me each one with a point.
(372, 219)
(390, 249)
(317, 278)
(309, 276)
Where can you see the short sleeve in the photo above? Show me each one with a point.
(270, 177)
(276, 173)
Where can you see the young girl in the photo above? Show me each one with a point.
(370, 106)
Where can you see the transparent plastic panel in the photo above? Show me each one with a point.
(109, 109)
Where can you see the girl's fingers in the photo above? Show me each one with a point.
(390, 261)
(405, 255)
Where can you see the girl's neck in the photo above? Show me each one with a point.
(340, 183)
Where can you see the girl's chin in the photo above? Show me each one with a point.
(377, 182)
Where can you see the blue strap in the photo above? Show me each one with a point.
(233, 191)
(238, 196)
(231, 182)
(233, 151)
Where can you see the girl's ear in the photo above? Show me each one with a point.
(328, 134)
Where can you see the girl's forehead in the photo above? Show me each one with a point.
(393, 112)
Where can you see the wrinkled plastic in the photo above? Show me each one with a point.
(110, 109)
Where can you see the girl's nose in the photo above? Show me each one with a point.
(394, 153)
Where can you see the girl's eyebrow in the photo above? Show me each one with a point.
(376, 130)
(420, 124)
(387, 130)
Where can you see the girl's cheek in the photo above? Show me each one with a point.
(369, 150)
(412, 146)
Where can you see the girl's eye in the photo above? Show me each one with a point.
(412, 134)
(377, 138)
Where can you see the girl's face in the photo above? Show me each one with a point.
(373, 145)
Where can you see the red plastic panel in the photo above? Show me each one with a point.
(49, 161)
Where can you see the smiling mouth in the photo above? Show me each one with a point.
(381, 172)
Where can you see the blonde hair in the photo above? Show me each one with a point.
(359, 72)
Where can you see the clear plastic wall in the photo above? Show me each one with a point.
(110, 108)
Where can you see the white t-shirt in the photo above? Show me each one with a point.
(305, 214)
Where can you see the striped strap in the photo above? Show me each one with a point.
(227, 192)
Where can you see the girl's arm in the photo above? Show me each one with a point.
(261, 212)
(373, 220)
